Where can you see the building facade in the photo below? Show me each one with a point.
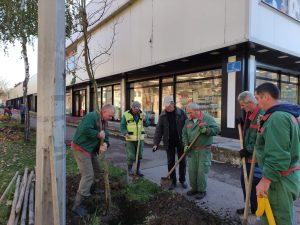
(196, 50)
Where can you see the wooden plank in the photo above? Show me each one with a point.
(22, 191)
(9, 186)
(51, 113)
(25, 203)
(31, 205)
(11, 220)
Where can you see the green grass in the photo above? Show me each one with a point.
(16, 155)
(141, 190)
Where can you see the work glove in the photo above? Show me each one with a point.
(243, 153)
(154, 148)
(239, 121)
(203, 130)
(186, 149)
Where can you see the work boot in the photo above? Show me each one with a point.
(184, 185)
(201, 195)
(191, 192)
(172, 186)
(139, 173)
(130, 170)
(95, 188)
(78, 207)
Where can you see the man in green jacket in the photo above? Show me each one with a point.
(248, 103)
(199, 155)
(278, 153)
(132, 127)
(85, 146)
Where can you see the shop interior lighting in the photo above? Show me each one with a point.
(184, 60)
(263, 50)
(214, 53)
(282, 56)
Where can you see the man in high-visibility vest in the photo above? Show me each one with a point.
(278, 153)
(132, 127)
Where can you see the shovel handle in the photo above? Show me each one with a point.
(183, 155)
(243, 159)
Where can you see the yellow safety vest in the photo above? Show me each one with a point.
(134, 129)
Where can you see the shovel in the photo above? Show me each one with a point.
(137, 155)
(166, 182)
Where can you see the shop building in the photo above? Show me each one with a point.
(196, 50)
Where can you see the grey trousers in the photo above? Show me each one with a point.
(89, 168)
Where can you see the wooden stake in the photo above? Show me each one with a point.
(9, 186)
(31, 205)
(22, 192)
(55, 204)
(11, 220)
(25, 203)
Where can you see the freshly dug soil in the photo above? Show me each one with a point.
(166, 208)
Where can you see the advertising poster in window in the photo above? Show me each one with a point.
(288, 7)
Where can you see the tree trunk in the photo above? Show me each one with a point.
(25, 84)
(90, 72)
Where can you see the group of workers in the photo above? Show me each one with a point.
(270, 126)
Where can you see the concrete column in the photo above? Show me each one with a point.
(123, 95)
(231, 97)
(251, 73)
(88, 98)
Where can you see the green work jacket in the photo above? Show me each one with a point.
(278, 144)
(190, 130)
(86, 136)
(250, 129)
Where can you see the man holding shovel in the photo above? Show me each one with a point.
(132, 127)
(278, 153)
(85, 146)
(170, 124)
(247, 103)
(199, 154)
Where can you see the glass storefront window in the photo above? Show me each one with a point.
(147, 93)
(79, 99)
(289, 89)
(167, 90)
(107, 95)
(117, 102)
(289, 84)
(99, 96)
(68, 103)
(205, 92)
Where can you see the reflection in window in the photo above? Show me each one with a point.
(289, 7)
(106, 95)
(117, 102)
(289, 90)
(289, 84)
(147, 94)
(206, 92)
(167, 89)
(68, 103)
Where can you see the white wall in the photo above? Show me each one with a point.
(150, 32)
(274, 29)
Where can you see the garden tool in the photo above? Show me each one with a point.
(248, 188)
(263, 206)
(136, 175)
(166, 181)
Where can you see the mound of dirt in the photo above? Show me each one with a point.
(165, 208)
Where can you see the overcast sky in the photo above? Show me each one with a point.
(12, 65)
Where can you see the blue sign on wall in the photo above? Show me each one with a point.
(233, 66)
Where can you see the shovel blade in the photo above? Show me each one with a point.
(165, 182)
